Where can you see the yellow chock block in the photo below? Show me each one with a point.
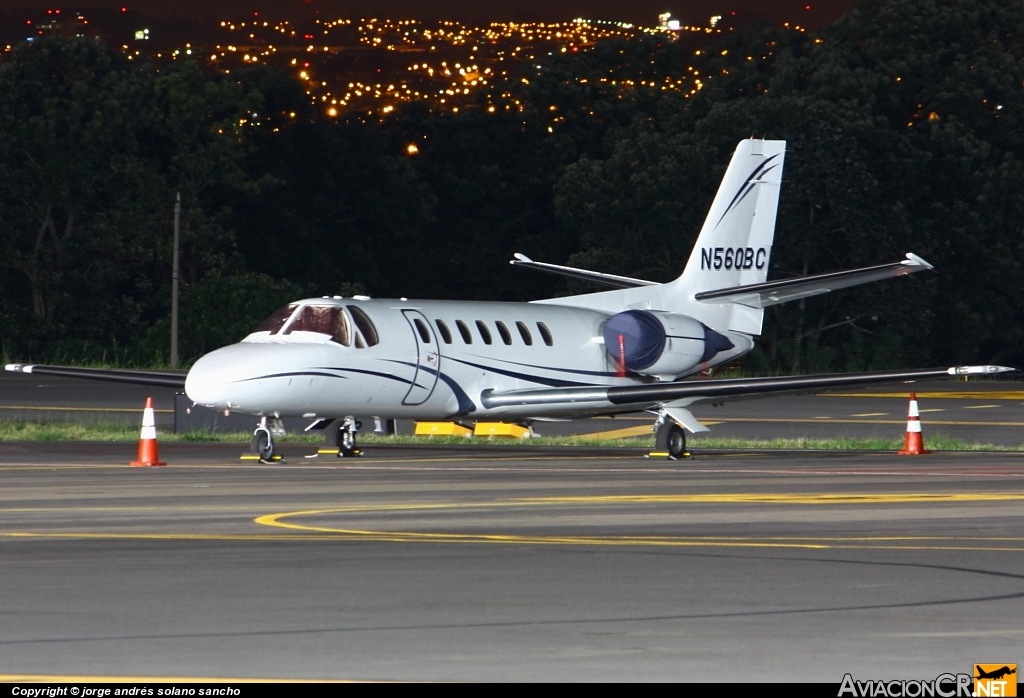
(500, 429)
(442, 429)
(253, 456)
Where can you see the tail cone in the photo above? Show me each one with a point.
(914, 443)
(147, 439)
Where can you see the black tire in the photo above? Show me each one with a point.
(675, 443)
(262, 444)
(334, 435)
(671, 438)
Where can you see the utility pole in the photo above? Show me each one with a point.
(174, 284)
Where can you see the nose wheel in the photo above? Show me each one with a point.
(263, 442)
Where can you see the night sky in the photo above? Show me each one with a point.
(643, 12)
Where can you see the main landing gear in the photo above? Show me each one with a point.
(670, 438)
(341, 434)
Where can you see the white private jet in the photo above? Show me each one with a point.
(624, 350)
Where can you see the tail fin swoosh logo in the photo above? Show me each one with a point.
(755, 177)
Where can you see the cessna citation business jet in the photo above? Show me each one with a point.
(616, 351)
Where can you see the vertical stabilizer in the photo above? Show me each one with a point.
(735, 243)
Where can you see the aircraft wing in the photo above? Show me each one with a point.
(597, 277)
(682, 393)
(164, 379)
(785, 290)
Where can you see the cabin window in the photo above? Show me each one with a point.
(464, 331)
(365, 326)
(323, 319)
(446, 335)
(525, 332)
(545, 333)
(506, 336)
(276, 321)
(485, 333)
(421, 327)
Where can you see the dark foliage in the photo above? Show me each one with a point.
(905, 130)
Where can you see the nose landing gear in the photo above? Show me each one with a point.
(263, 440)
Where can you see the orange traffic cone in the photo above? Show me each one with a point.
(147, 440)
(914, 444)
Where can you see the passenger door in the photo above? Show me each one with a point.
(428, 358)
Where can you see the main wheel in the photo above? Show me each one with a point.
(342, 438)
(262, 444)
(676, 442)
(672, 438)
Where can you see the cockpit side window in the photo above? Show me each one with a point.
(276, 321)
(323, 319)
(365, 325)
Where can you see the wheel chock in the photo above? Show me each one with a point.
(256, 457)
(336, 452)
(665, 454)
(324, 452)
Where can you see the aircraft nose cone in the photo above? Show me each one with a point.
(214, 379)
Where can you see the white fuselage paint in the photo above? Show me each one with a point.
(404, 377)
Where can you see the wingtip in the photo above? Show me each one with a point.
(520, 257)
(913, 260)
(985, 370)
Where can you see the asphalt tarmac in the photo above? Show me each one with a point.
(508, 563)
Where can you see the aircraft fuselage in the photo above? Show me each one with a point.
(432, 360)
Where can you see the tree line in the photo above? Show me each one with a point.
(904, 128)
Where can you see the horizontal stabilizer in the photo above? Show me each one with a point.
(597, 277)
(785, 290)
(164, 379)
(719, 389)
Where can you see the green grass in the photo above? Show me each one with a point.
(36, 431)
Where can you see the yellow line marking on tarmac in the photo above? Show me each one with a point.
(275, 520)
(73, 678)
(729, 498)
(781, 498)
(871, 414)
(980, 407)
(933, 409)
(80, 409)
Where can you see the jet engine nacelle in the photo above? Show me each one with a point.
(661, 344)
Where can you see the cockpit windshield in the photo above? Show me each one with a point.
(323, 319)
(276, 321)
